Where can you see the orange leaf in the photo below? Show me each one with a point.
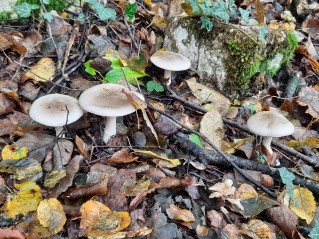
(314, 63)
(177, 213)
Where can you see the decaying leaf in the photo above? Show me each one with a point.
(24, 201)
(314, 63)
(177, 213)
(50, 214)
(83, 147)
(11, 233)
(42, 71)
(13, 152)
(303, 204)
(256, 229)
(122, 156)
(54, 177)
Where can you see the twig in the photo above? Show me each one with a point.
(224, 156)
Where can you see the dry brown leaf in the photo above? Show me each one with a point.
(232, 232)
(284, 219)
(50, 214)
(15, 46)
(246, 191)
(260, 13)
(83, 147)
(122, 156)
(177, 213)
(42, 71)
(202, 231)
(4, 43)
(216, 219)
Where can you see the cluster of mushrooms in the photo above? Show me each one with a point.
(109, 100)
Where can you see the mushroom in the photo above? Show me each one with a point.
(55, 110)
(109, 101)
(270, 124)
(170, 61)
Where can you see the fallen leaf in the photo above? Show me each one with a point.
(216, 219)
(83, 147)
(314, 63)
(303, 203)
(175, 162)
(122, 156)
(260, 13)
(212, 127)
(7, 233)
(284, 219)
(177, 213)
(149, 124)
(209, 96)
(310, 142)
(256, 229)
(13, 152)
(62, 152)
(50, 214)
(232, 232)
(310, 96)
(42, 71)
(202, 230)
(246, 191)
(54, 177)
(24, 201)
(6, 105)
(287, 26)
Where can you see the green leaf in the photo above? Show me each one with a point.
(159, 88)
(195, 139)
(244, 14)
(150, 86)
(314, 233)
(117, 74)
(287, 178)
(89, 69)
(137, 63)
(206, 23)
(47, 16)
(47, 2)
(130, 11)
(24, 9)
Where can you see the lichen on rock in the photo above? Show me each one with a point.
(229, 56)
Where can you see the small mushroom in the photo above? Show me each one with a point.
(170, 61)
(270, 124)
(109, 101)
(55, 110)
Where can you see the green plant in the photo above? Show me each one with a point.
(104, 13)
(152, 85)
(130, 11)
(287, 178)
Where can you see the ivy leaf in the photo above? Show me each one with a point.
(47, 16)
(47, 2)
(206, 23)
(130, 11)
(262, 33)
(287, 178)
(195, 139)
(24, 9)
(244, 14)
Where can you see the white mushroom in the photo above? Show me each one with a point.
(55, 110)
(270, 124)
(109, 101)
(170, 61)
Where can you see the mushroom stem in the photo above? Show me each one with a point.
(59, 132)
(266, 142)
(110, 128)
(168, 76)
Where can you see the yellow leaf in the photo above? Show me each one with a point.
(42, 71)
(50, 214)
(256, 229)
(175, 162)
(287, 26)
(148, 2)
(13, 152)
(246, 191)
(310, 142)
(303, 204)
(159, 22)
(25, 201)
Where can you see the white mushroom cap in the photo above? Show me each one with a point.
(270, 124)
(170, 61)
(107, 100)
(55, 110)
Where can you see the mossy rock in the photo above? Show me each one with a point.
(229, 56)
(7, 11)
